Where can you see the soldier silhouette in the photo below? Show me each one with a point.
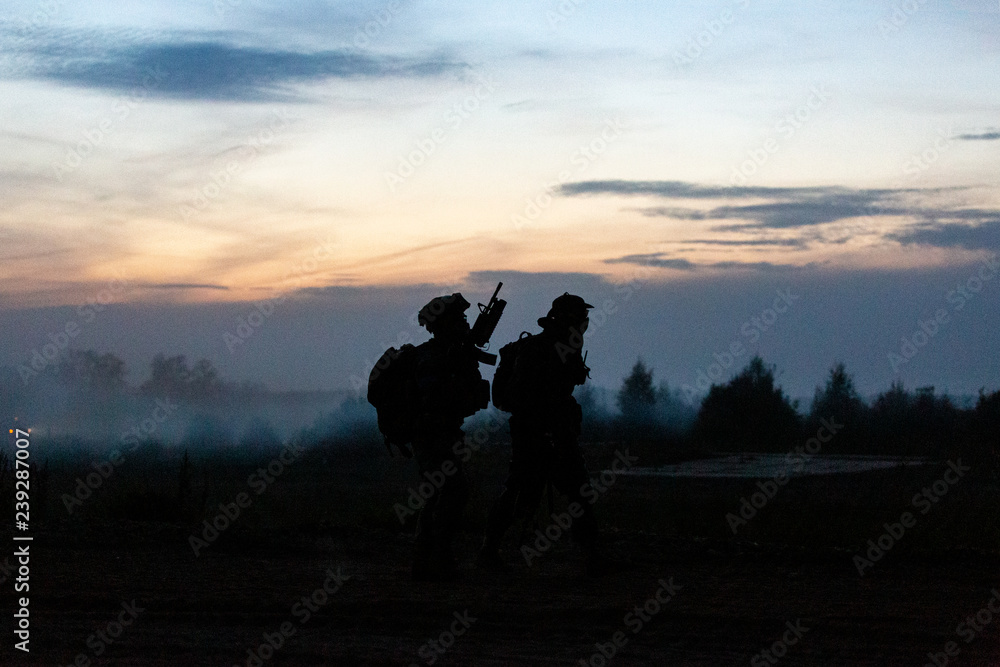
(544, 429)
(448, 388)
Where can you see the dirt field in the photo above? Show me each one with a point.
(731, 602)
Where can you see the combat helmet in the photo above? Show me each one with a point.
(567, 309)
(442, 310)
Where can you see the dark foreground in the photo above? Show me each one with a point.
(732, 602)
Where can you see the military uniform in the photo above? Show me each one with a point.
(545, 428)
(449, 388)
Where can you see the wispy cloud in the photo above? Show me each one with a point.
(789, 208)
(660, 261)
(684, 190)
(793, 208)
(984, 236)
(790, 243)
(209, 67)
(655, 259)
(183, 286)
(992, 135)
(783, 215)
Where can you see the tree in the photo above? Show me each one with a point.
(637, 397)
(898, 425)
(838, 400)
(93, 383)
(597, 417)
(204, 380)
(207, 431)
(893, 404)
(170, 376)
(749, 412)
(987, 422)
(672, 411)
(259, 437)
(90, 371)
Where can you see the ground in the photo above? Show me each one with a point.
(732, 600)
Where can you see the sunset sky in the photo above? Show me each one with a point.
(228, 151)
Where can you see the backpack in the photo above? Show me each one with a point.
(504, 393)
(392, 390)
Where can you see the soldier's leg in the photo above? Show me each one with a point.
(520, 497)
(447, 504)
(523, 487)
(502, 513)
(423, 556)
(570, 477)
(452, 497)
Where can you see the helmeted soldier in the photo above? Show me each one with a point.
(449, 388)
(544, 429)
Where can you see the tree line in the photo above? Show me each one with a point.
(752, 413)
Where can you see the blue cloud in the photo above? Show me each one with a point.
(984, 236)
(980, 136)
(792, 243)
(659, 261)
(683, 190)
(655, 259)
(215, 69)
(788, 208)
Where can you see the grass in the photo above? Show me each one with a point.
(356, 485)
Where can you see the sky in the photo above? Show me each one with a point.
(167, 166)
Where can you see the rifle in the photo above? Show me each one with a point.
(485, 325)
